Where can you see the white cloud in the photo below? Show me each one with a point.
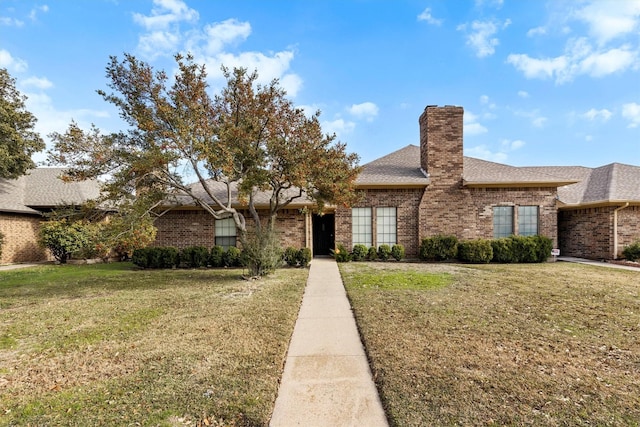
(340, 127)
(12, 64)
(366, 111)
(537, 120)
(482, 152)
(536, 31)
(471, 126)
(523, 94)
(508, 145)
(11, 22)
(220, 34)
(165, 13)
(594, 114)
(427, 17)
(631, 112)
(579, 59)
(481, 38)
(610, 19)
(37, 82)
(33, 14)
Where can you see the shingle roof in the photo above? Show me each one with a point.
(482, 173)
(42, 188)
(612, 183)
(400, 168)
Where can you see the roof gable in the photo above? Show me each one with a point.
(400, 168)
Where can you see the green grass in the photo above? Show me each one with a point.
(539, 344)
(111, 345)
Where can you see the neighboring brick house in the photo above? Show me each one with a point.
(421, 191)
(22, 204)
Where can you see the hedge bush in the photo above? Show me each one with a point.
(372, 254)
(232, 257)
(290, 256)
(156, 257)
(63, 238)
(384, 252)
(1, 242)
(544, 245)
(632, 252)
(477, 251)
(341, 254)
(359, 252)
(502, 250)
(216, 257)
(397, 252)
(439, 248)
(195, 256)
(304, 257)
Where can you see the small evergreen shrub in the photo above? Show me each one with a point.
(397, 252)
(523, 248)
(1, 242)
(141, 257)
(304, 257)
(502, 251)
(341, 254)
(384, 252)
(632, 252)
(477, 251)
(156, 257)
(216, 257)
(359, 252)
(195, 256)
(544, 245)
(290, 256)
(439, 248)
(372, 254)
(231, 257)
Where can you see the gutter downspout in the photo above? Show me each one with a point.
(615, 229)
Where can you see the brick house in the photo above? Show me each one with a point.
(412, 193)
(421, 191)
(24, 200)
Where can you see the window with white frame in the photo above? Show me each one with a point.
(502, 221)
(527, 220)
(361, 226)
(225, 233)
(386, 226)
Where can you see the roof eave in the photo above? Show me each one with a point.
(596, 204)
(386, 185)
(512, 184)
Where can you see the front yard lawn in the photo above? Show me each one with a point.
(541, 344)
(110, 345)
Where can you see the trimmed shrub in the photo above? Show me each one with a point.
(231, 257)
(397, 252)
(341, 254)
(1, 242)
(439, 248)
(544, 245)
(156, 257)
(216, 257)
(359, 252)
(304, 257)
(523, 248)
(632, 252)
(384, 252)
(290, 256)
(502, 250)
(195, 256)
(372, 254)
(477, 251)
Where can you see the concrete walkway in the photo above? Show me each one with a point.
(326, 379)
(597, 263)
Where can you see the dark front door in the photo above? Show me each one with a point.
(323, 234)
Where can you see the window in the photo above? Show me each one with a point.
(361, 226)
(225, 233)
(502, 221)
(527, 220)
(386, 226)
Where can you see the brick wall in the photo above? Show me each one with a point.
(21, 239)
(586, 233)
(182, 228)
(406, 202)
(628, 226)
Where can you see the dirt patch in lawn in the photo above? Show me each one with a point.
(545, 344)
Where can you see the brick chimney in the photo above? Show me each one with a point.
(441, 142)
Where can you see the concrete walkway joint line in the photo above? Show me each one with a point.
(326, 379)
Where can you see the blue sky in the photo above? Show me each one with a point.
(542, 83)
